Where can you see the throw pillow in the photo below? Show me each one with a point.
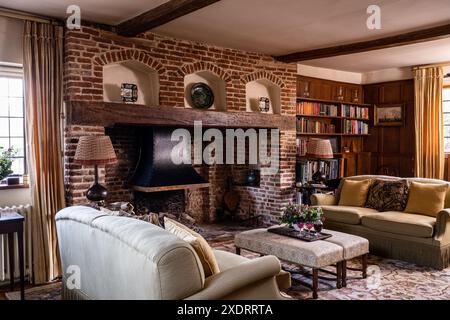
(426, 199)
(388, 195)
(354, 193)
(199, 244)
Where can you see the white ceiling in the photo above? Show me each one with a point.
(100, 11)
(417, 54)
(283, 26)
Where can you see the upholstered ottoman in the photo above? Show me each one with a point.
(315, 255)
(353, 247)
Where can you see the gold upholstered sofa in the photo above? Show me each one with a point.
(420, 233)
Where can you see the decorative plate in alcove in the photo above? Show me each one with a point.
(202, 96)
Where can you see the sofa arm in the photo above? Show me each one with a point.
(443, 226)
(322, 199)
(234, 279)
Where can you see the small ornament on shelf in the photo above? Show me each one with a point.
(264, 104)
(340, 96)
(355, 97)
(306, 90)
(129, 92)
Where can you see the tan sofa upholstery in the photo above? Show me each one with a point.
(412, 237)
(123, 258)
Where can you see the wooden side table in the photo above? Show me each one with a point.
(11, 223)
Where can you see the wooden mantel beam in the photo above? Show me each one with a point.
(423, 35)
(160, 15)
(109, 114)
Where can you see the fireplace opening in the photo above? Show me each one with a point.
(172, 202)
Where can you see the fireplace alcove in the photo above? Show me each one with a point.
(122, 122)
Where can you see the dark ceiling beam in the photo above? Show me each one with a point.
(424, 35)
(160, 15)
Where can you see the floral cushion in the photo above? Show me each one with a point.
(388, 195)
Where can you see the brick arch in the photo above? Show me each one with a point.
(263, 75)
(204, 66)
(117, 56)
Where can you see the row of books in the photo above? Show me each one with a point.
(302, 143)
(316, 109)
(333, 169)
(312, 126)
(355, 112)
(356, 127)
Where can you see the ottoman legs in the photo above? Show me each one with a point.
(364, 266)
(344, 273)
(363, 269)
(315, 284)
(339, 274)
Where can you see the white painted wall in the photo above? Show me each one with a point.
(329, 74)
(15, 197)
(392, 74)
(386, 75)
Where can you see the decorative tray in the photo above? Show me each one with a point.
(305, 236)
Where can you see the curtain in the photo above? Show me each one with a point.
(43, 71)
(429, 123)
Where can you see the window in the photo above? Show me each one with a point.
(446, 108)
(12, 131)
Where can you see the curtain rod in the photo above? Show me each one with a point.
(442, 64)
(5, 12)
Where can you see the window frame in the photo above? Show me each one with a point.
(10, 70)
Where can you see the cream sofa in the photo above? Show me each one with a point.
(110, 257)
(416, 238)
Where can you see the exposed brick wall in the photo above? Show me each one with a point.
(88, 50)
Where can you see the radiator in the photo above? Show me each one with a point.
(5, 273)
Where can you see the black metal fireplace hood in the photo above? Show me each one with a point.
(156, 171)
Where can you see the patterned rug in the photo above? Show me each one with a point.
(51, 291)
(387, 279)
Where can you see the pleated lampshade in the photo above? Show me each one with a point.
(95, 150)
(319, 149)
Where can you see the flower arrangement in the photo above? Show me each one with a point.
(295, 214)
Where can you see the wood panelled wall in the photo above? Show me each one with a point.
(392, 148)
(316, 88)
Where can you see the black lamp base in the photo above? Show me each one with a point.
(96, 193)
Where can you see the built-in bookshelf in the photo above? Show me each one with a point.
(345, 124)
(332, 169)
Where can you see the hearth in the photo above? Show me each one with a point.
(172, 202)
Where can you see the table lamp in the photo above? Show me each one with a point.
(319, 149)
(95, 151)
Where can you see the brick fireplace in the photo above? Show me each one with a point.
(89, 51)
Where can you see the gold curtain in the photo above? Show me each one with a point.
(43, 71)
(429, 122)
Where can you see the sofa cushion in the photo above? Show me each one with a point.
(346, 214)
(414, 225)
(388, 195)
(427, 199)
(354, 193)
(201, 247)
